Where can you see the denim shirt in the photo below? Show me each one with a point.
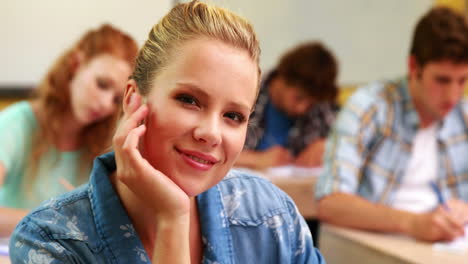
(244, 219)
(368, 150)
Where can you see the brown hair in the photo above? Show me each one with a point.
(187, 21)
(441, 34)
(312, 68)
(53, 93)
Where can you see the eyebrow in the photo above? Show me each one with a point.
(194, 88)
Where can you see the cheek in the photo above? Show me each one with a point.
(234, 141)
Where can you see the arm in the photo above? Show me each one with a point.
(353, 211)
(261, 160)
(356, 133)
(169, 206)
(312, 155)
(9, 217)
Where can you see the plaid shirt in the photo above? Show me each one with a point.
(313, 125)
(369, 149)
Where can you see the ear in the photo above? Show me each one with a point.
(413, 67)
(132, 98)
(76, 60)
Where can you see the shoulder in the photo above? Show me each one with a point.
(372, 94)
(21, 109)
(19, 117)
(67, 216)
(250, 196)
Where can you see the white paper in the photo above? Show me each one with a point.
(290, 171)
(459, 245)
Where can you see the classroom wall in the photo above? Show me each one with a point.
(34, 33)
(370, 37)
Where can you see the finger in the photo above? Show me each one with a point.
(132, 121)
(133, 137)
(452, 227)
(135, 102)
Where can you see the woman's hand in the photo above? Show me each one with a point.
(151, 186)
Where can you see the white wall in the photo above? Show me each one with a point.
(369, 37)
(34, 32)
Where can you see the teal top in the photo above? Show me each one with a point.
(17, 126)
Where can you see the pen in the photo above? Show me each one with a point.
(438, 192)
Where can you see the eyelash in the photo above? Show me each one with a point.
(189, 100)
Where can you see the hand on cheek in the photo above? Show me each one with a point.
(150, 185)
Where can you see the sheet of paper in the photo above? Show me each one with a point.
(292, 171)
(459, 245)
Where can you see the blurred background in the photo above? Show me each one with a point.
(370, 38)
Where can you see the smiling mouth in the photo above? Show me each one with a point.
(197, 159)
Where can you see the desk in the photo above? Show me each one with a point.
(343, 245)
(4, 260)
(301, 190)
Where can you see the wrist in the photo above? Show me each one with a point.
(407, 223)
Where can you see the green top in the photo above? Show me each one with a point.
(17, 125)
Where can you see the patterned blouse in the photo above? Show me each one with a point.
(244, 219)
(313, 125)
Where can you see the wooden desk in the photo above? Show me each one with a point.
(342, 245)
(302, 191)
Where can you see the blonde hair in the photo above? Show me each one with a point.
(185, 22)
(53, 93)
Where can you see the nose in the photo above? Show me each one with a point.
(301, 108)
(208, 131)
(106, 104)
(454, 92)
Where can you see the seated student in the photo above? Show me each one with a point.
(294, 110)
(167, 195)
(393, 139)
(50, 141)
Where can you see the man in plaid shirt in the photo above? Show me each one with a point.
(396, 158)
(294, 111)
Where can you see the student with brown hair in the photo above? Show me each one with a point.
(396, 143)
(294, 110)
(51, 140)
(168, 194)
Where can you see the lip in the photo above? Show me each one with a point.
(94, 114)
(187, 156)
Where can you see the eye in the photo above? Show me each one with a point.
(102, 84)
(186, 99)
(237, 117)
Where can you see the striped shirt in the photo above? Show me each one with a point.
(368, 150)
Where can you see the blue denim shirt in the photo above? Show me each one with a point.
(368, 151)
(244, 219)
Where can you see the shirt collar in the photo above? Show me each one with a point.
(112, 222)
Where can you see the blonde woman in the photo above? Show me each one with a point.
(50, 141)
(168, 194)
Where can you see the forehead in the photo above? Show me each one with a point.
(218, 68)
(109, 65)
(446, 66)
